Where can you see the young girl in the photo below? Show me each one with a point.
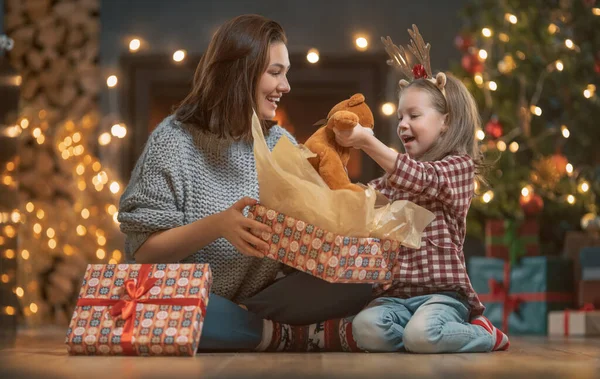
(428, 307)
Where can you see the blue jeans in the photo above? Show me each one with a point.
(435, 323)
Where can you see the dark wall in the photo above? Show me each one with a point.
(326, 25)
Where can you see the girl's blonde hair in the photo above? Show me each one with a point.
(462, 119)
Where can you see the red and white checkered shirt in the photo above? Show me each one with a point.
(445, 188)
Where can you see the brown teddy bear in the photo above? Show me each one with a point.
(331, 159)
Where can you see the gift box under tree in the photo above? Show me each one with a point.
(140, 309)
(518, 297)
(511, 239)
(326, 255)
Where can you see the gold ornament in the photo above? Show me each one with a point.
(545, 173)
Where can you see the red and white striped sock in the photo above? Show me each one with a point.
(501, 339)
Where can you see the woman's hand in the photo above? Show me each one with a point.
(235, 228)
(355, 137)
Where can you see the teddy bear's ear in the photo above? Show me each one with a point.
(356, 99)
(403, 84)
(440, 80)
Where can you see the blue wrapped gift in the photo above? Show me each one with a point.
(519, 297)
(589, 259)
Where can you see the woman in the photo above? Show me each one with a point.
(188, 191)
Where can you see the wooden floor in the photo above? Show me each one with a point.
(42, 354)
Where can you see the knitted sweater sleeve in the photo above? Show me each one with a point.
(150, 201)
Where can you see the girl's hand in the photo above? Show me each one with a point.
(235, 228)
(354, 137)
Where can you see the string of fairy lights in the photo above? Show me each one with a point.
(483, 79)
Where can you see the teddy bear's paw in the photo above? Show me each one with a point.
(344, 120)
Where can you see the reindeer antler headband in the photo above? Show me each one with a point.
(420, 50)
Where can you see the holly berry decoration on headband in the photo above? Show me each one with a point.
(419, 71)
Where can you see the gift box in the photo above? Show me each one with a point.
(589, 259)
(519, 297)
(326, 255)
(140, 309)
(574, 243)
(574, 323)
(589, 293)
(511, 239)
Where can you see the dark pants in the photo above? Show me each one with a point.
(298, 299)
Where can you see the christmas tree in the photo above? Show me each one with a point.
(533, 67)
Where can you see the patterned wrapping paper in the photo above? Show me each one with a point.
(140, 309)
(329, 256)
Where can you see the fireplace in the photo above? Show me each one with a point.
(153, 85)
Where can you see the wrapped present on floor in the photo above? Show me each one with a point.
(574, 242)
(589, 258)
(140, 309)
(589, 293)
(574, 323)
(511, 239)
(518, 297)
(329, 256)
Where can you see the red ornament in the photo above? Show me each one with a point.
(531, 204)
(463, 42)
(494, 128)
(471, 63)
(419, 71)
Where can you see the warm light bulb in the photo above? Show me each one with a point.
(134, 45)
(552, 28)
(25, 254)
(37, 228)
(559, 65)
(112, 81)
(596, 11)
(525, 191)
(81, 230)
(179, 55)
(569, 168)
(388, 109)
(492, 86)
(480, 134)
(569, 44)
(33, 308)
(101, 254)
(80, 169)
(24, 123)
(312, 56)
(501, 146)
(571, 199)
(114, 187)
(29, 207)
(511, 18)
(52, 243)
(19, 292)
(104, 139)
(40, 214)
(486, 32)
(536, 110)
(478, 79)
(565, 132)
(483, 54)
(111, 209)
(587, 93)
(50, 233)
(361, 43)
(488, 196)
(584, 187)
(9, 254)
(85, 213)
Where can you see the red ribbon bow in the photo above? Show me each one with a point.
(125, 308)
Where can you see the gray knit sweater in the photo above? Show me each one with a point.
(184, 175)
